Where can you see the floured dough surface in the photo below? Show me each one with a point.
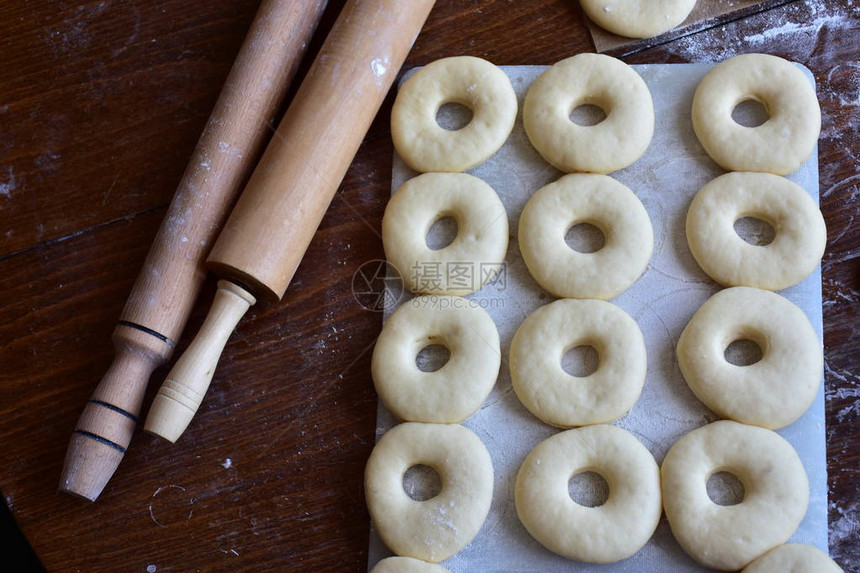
(589, 79)
(638, 18)
(456, 390)
(794, 558)
(435, 529)
(800, 232)
(609, 532)
(477, 251)
(772, 392)
(407, 565)
(776, 493)
(561, 399)
(598, 200)
(779, 145)
(472, 82)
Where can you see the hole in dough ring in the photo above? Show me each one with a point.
(600, 201)
(475, 83)
(455, 391)
(589, 79)
(776, 493)
(795, 251)
(779, 145)
(555, 396)
(773, 392)
(604, 534)
(474, 256)
(637, 18)
(435, 529)
(798, 557)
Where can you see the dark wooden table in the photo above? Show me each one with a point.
(101, 103)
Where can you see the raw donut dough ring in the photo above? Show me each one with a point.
(600, 201)
(776, 390)
(589, 79)
(779, 145)
(603, 534)
(455, 391)
(435, 529)
(406, 565)
(794, 558)
(555, 396)
(638, 18)
(475, 83)
(795, 251)
(480, 244)
(776, 493)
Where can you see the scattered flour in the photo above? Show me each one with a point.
(797, 27)
(845, 532)
(6, 187)
(813, 27)
(380, 66)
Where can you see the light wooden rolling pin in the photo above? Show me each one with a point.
(279, 211)
(167, 286)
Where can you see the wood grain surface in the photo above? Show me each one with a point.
(101, 103)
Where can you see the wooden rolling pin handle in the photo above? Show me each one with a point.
(107, 423)
(179, 397)
(172, 275)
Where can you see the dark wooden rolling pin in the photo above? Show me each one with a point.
(167, 286)
(280, 209)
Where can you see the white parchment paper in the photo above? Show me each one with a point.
(665, 179)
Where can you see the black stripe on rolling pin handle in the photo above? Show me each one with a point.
(100, 439)
(116, 409)
(158, 335)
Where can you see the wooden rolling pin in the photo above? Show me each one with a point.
(167, 286)
(277, 215)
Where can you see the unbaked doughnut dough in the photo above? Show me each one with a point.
(589, 79)
(600, 201)
(455, 391)
(475, 83)
(779, 145)
(476, 253)
(772, 392)
(795, 251)
(406, 565)
(638, 18)
(794, 558)
(437, 528)
(603, 534)
(776, 493)
(555, 396)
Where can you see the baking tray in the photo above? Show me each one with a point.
(662, 301)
